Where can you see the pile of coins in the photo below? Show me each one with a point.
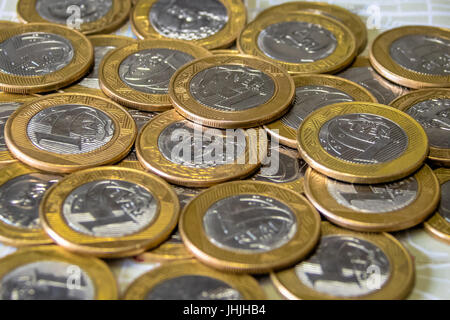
(162, 147)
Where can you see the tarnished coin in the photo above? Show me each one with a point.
(138, 74)
(68, 132)
(300, 42)
(249, 227)
(431, 108)
(41, 57)
(350, 265)
(88, 16)
(110, 212)
(190, 280)
(208, 23)
(231, 91)
(439, 224)
(51, 273)
(391, 206)
(313, 92)
(362, 142)
(413, 56)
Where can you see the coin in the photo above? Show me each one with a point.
(231, 91)
(362, 142)
(311, 93)
(138, 74)
(41, 57)
(51, 273)
(8, 24)
(431, 108)
(350, 265)
(190, 280)
(439, 224)
(363, 74)
(391, 206)
(249, 227)
(413, 56)
(300, 42)
(110, 212)
(90, 17)
(225, 51)
(212, 24)
(68, 132)
(190, 155)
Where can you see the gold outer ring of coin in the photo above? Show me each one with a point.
(23, 149)
(246, 285)
(288, 136)
(346, 17)
(103, 280)
(190, 108)
(319, 159)
(166, 252)
(437, 226)
(9, 24)
(383, 63)
(152, 159)
(340, 58)
(80, 64)
(113, 86)
(225, 51)
(438, 156)
(114, 18)
(152, 235)
(237, 18)
(316, 186)
(196, 240)
(398, 286)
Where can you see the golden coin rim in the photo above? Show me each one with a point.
(9, 24)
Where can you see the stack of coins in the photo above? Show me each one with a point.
(167, 147)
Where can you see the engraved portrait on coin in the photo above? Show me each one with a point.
(35, 54)
(345, 267)
(232, 87)
(363, 138)
(444, 208)
(188, 20)
(6, 109)
(70, 129)
(193, 287)
(249, 223)
(46, 280)
(109, 208)
(20, 199)
(91, 80)
(296, 42)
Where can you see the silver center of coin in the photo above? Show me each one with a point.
(232, 87)
(309, 99)
(188, 19)
(47, 280)
(363, 138)
(296, 42)
(345, 267)
(110, 208)
(193, 287)
(35, 54)
(444, 208)
(61, 11)
(422, 53)
(434, 116)
(20, 199)
(249, 223)
(6, 109)
(91, 80)
(70, 129)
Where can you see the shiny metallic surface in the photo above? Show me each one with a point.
(6, 109)
(444, 208)
(186, 194)
(140, 118)
(91, 80)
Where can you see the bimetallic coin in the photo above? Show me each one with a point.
(225, 51)
(249, 227)
(8, 24)
(362, 142)
(191, 280)
(51, 273)
(413, 56)
(110, 212)
(350, 265)
(211, 23)
(87, 16)
(300, 42)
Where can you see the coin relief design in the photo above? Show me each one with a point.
(109, 208)
(444, 208)
(344, 266)
(91, 80)
(6, 109)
